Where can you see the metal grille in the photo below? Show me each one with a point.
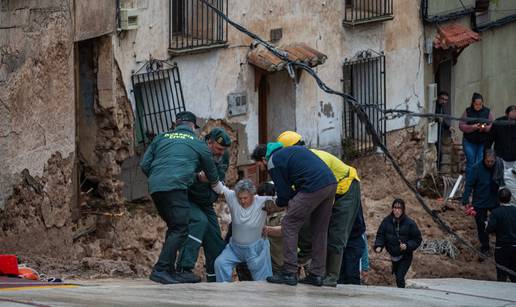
(195, 26)
(159, 97)
(364, 78)
(364, 11)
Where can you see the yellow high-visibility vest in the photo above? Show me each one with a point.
(344, 174)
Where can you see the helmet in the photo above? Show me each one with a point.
(289, 138)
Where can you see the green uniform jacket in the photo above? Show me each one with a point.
(172, 160)
(201, 193)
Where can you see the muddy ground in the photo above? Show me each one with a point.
(127, 242)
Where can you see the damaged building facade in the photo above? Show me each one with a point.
(85, 86)
(468, 47)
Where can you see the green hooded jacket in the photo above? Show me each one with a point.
(173, 159)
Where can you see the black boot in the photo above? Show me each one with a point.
(286, 278)
(163, 277)
(186, 277)
(312, 279)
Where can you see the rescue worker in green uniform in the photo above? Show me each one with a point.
(171, 163)
(204, 229)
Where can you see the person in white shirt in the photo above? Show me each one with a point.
(246, 245)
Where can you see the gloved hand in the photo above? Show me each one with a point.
(470, 210)
(218, 187)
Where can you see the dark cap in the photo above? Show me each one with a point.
(187, 117)
(220, 136)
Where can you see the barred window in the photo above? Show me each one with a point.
(364, 78)
(195, 26)
(364, 11)
(158, 98)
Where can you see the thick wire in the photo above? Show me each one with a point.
(362, 116)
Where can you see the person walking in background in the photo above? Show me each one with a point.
(484, 181)
(475, 125)
(502, 222)
(442, 107)
(400, 236)
(503, 136)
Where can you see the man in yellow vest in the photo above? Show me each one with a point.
(345, 210)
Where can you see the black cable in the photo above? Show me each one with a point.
(362, 116)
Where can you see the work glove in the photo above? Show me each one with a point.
(470, 210)
(218, 187)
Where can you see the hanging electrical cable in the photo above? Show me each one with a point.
(362, 116)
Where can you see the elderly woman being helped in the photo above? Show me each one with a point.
(246, 244)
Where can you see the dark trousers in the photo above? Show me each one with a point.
(481, 219)
(316, 206)
(505, 256)
(174, 208)
(203, 230)
(350, 268)
(400, 269)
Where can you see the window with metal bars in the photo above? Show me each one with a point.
(194, 26)
(364, 11)
(364, 78)
(158, 98)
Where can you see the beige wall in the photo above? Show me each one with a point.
(94, 18)
(37, 110)
(487, 67)
(443, 7)
(208, 77)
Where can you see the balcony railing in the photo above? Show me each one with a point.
(364, 11)
(194, 26)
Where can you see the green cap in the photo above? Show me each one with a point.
(271, 148)
(220, 136)
(187, 116)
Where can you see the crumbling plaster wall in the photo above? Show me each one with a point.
(36, 88)
(208, 77)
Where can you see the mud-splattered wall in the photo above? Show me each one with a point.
(56, 164)
(37, 108)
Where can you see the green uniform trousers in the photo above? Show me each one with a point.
(203, 230)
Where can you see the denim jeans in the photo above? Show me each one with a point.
(474, 153)
(257, 256)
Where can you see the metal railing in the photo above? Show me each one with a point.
(158, 98)
(364, 78)
(194, 26)
(364, 11)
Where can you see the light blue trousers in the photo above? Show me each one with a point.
(257, 256)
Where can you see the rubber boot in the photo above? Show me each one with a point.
(333, 264)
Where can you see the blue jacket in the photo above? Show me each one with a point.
(297, 169)
(484, 188)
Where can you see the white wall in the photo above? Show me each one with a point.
(208, 77)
